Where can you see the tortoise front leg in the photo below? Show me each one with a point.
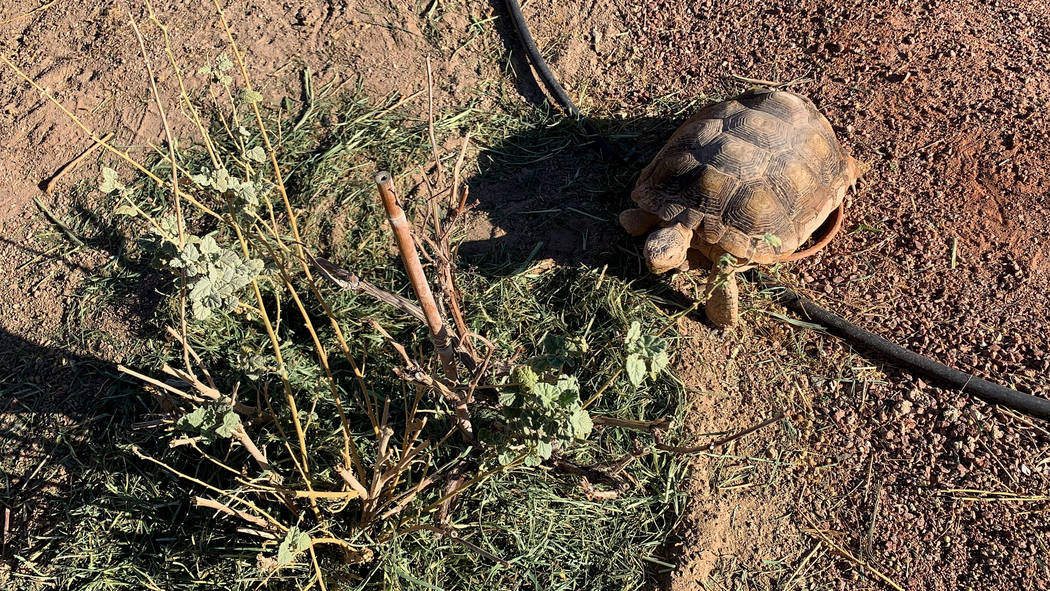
(637, 221)
(723, 298)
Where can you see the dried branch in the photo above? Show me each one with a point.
(719, 443)
(213, 504)
(443, 342)
(349, 281)
(49, 185)
(659, 424)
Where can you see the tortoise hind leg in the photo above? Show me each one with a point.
(723, 298)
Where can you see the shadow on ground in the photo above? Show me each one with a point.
(549, 193)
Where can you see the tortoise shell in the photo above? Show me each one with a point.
(766, 162)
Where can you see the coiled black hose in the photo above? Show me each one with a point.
(990, 392)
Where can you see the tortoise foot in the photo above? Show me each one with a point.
(723, 302)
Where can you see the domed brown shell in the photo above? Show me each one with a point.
(766, 162)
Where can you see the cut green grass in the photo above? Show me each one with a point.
(133, 523)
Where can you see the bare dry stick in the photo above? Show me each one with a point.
(662, 424)
(456, 172)
(175, 335)
(438, 331)
(49, 185)
(242, 437)
(823, 537)
(213, 504)
(274, 523)
(430, 120)
(174, 186)
(353, 482)
(160, 384)
(349, 281)
(199, 386)
(719, 443)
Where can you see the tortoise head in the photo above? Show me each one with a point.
(667, 248)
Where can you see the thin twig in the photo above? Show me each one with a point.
(430, 120)
(847, 554)
(179, 224)
(719, 443)
(54, 220)
(213, 504)
(661, 424)
(351, 282)
(49, 185)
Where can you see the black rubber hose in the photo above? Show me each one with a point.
(561, 98)
(992, 393)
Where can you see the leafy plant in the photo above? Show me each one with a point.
(294, 542)
(646, 355)
(214, 275)
(245, 194)
(210, 422)
(543, 412)
(348, 440)
(219, 70)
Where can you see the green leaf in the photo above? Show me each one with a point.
(544, 449)
(568, 384)
(127, 210)
(257, 154)
(636, 369)
(508, 398)
(200, 289)
(581, 423)
(109, 182)
(251, 96)
(657, 363)
(634, 332)
(230, 421)
(546, 393)
(525, 377)
(209, 246)
(772, 239)
(223, 63)
(194, 420)
(293, 543)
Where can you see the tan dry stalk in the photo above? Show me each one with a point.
(269, 518)
(322, 356)
(213, 504)
(282, 372)
(410, 257)
(294, 226)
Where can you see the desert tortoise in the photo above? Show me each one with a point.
(752, 177)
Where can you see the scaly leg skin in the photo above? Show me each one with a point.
(637, 221)
(723, 302)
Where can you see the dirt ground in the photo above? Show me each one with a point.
(946, 248)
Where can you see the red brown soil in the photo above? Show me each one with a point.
(947, 101)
